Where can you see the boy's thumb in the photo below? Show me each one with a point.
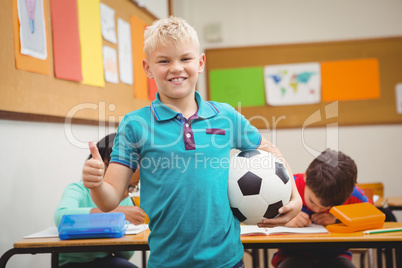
(94, 151)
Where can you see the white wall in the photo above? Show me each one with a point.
(39, 159)
(159, 8)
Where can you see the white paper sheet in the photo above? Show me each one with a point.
(110, 64)
(398, 98)
(125, 52)
(32, 28)
(48, 232)
(108, 23)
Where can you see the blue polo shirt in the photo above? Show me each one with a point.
(184, 177)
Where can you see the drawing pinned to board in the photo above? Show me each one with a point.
(125, 56)
(32, 28)
(292, 84)
(110, 64)
(398, 92)
(107, 23)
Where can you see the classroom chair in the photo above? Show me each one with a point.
(375, 192)
(370, 190)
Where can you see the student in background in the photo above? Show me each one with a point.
(330, 180)
(76, 199)
(182, 144)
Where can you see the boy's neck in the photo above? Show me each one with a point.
(186, 106)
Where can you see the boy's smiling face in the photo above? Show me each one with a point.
(175, 68)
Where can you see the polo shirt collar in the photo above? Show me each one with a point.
(162, 112)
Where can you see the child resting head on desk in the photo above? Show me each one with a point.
(76, 199)
(330, 180)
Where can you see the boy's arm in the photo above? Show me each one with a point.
(301, 220)
(106, 189)
(134, 214)
(323, 218)
(290, 210)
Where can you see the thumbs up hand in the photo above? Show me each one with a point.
(94, 168)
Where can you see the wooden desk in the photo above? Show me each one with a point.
(139, 242)
(395, 202)
(54, 246)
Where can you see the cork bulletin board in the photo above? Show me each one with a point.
(43, 97)
(381, 109)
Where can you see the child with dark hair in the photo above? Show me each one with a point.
(105, 147)
(330, 180)
(76, 199)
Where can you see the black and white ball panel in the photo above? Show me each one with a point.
(258, 186)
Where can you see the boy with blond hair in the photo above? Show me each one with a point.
(182, 145)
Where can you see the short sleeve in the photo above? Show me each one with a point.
(126, 148)
(245, 135)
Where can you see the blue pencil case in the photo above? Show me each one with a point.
(95, 225)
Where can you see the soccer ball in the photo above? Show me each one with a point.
(258, 186)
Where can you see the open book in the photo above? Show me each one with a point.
(255, 230)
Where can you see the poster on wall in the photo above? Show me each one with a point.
(239, 87)
(398, 98)
(66, 40)
(143, 90)
(32, 28)
(110, 64)
(292, 84)
(107, 23)
(89, 25)
(22, 61)
(125, 54)
(353, 79)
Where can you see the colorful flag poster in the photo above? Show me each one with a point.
(141, 90)
(292, 84)
(239, 87)
(66, 40)
(125, 52)
(350, 80)
(89, 24)
(22, 61)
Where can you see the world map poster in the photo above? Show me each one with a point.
(292, 84)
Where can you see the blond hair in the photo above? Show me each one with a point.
(169, 29)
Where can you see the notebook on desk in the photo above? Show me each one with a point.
(356, 217)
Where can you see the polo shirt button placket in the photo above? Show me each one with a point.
(188, 137)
